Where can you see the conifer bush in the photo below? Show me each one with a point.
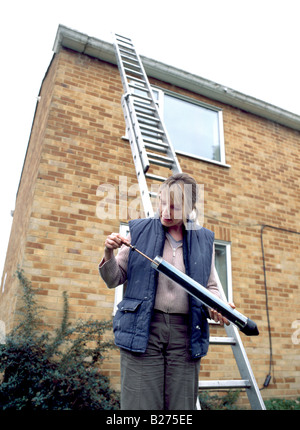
(54, 369)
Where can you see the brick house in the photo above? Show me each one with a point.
(248, 161)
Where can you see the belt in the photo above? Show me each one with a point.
(173, 316)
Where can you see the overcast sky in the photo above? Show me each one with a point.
(249, 46)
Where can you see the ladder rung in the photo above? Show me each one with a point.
(140, 88)
(148, 133)
(132, 71)
(159, 148)
(146, 123)
(155, 177)
(222, 340)
(147, 117)
(140, 104)
(139, 96)
(150, 137)
(155, 141)
(129, 60)
(151, 129)
(160, 163)
(138, 80)
(125, 50)
(160, 157)
(127, 46)
(125, 43)
(130, 64)
(139, 85)
(126, 54)
(238, 383)
(143, 108)
(119, 36)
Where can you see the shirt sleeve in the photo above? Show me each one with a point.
(114, 271)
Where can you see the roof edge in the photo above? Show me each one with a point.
(102, 50)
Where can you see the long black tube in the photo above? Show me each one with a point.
(246, 325)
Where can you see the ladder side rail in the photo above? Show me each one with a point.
(242, 361)
(137, 131)
(130, 110)
(146, 200)
(165, 136)
(157, 113)
(121, 67)
(170, 150)
(123, 73)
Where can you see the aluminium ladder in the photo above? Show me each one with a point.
(247, 380)
(148, 137)
(151, 146)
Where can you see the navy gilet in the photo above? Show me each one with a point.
(133, 318)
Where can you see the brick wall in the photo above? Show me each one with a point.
(25, 197)
(77, 144)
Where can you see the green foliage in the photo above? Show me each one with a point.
(282, 404)
(210, 401)
(54, 370)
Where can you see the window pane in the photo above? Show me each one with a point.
(193, 129)
(221, 266)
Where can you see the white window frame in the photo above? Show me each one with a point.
(219, 111)
(160, 104)
(227, 246)
(119, 290)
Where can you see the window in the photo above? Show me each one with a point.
(195, 129)
(223, 266)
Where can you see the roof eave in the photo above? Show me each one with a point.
(102, 50)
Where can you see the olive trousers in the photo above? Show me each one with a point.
(165, 377)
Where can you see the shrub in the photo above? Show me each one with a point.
(210, 401)
(57, 369)
(282, 404)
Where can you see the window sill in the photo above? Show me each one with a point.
(207, 160)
